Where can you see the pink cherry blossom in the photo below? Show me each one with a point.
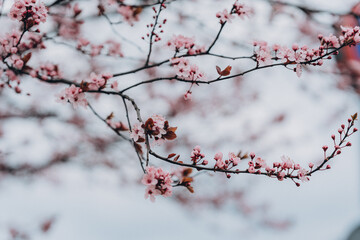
(180, 42)
(149, 179)
(151, 192)
(30, 12)
(74, 95)
(287, 162)
(185, 70)
(234, 159)
(302, 174)
(242, 10)
(114, 48)
(224, 16)
(46, 71)
(159, 122)
(137, 132)
(158, 182)
(263, 52)
(196, 155)
(98, 81)
(260, 163)
(219, 160)
(128, 13)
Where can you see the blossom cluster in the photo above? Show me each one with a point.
(69, 25)
(224, 16)
(349, 35)
(180, 42)
(185, 70)
(155, 127)
(137, 133)
(11, 49)
(197, 157)
(285, 167)
(12, 53)
(158, 182)
(129, 13)
(46, 71)
(8, 43)
(32, 40)
(11, 76)
(28, 11)
(255, 165)
(242, 10)
(265, 54)
(238, 9)
(74, 95)
(96, 81)
(67, 20)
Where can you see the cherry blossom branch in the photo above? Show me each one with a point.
(337, 147)
(180, 56)
(277, 170)
(257, 67)
(156, 128)
(152, 32)
(217, 37)
(132, 141)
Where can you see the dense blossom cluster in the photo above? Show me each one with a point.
(266, 54)
(227, 164)
(242, 10)
(96, 81)
(285, 167)
(349, 35)
(74, 95)
(224, 16)
(158, 182)
(32, 40)
(185, 70)
(155, 127)
(180, 42)
(238, 9)
(255, 165)
(46, 71)
(10, 45)
(28, 11)
(197, 157)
